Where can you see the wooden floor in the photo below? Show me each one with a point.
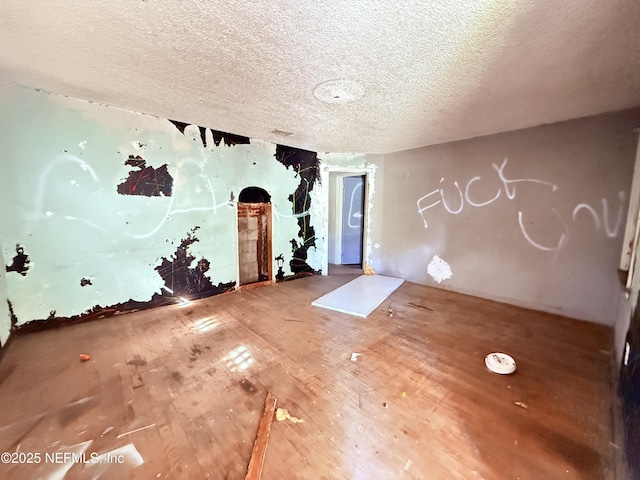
(335, 269)
(181, 389)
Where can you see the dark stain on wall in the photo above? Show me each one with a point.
(180, 125)
(3, 347)
(229, 139)
(20, 262)
(184, 280)
(629, 386)
(85, 281)
(147, 181)
(203, 135)
(12, 315)
(306, 165)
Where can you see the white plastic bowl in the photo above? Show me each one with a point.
(500, 363)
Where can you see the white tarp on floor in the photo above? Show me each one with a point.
(360, 296)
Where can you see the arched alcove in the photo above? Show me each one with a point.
(254, 236)
(254, 195)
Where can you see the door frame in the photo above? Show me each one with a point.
(271, 261)
(333, 202)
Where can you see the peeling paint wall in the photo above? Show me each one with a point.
(70, 187)
(306, 166)
(532, 217)
(5, 315)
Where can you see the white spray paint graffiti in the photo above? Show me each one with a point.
(508, 184)
(561, 241)
(354, 212)
(47, 171)
(481, 204)
(439, 269)
(166, 216)
(212, 205)
(171, 211)
(279, 215)
(609, 232)
(437, 196)
(444, 203)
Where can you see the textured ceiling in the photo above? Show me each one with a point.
(412, 72)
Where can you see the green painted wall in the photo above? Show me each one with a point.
(62, 160)
(5, 316)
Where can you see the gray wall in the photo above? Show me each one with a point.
(533, 217)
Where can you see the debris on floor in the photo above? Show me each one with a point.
(84, 357)
(403, 394)
(385, 405)
(390, 310)
(366, 390)
(283, 414)
(136, 381)
(420, 306)
(521, 404)
(256, 462)
(136, 430)
(500, 363)
(354, 356)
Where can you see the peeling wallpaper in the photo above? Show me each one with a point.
(5, 315)
(98, 199)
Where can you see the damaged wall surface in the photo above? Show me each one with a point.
(5, 315)
(109, 205)
(532, 217)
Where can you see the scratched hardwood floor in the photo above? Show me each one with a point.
(177, 392)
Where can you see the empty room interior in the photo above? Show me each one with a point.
(320, 240)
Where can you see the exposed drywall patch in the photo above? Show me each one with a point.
(147, 181)
(96, 312)
(306, 166)
(180, 278)
(229, 139)
(439, 269)
(20, 262)
(180, 125)
(12, 315)
(218, 137)
(203, 135)
(5, 314)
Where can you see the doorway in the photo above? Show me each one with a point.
(346, 223)
(254, 237)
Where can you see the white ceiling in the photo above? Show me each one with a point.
(416, 72)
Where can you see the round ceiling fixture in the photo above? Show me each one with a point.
(340, 90)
